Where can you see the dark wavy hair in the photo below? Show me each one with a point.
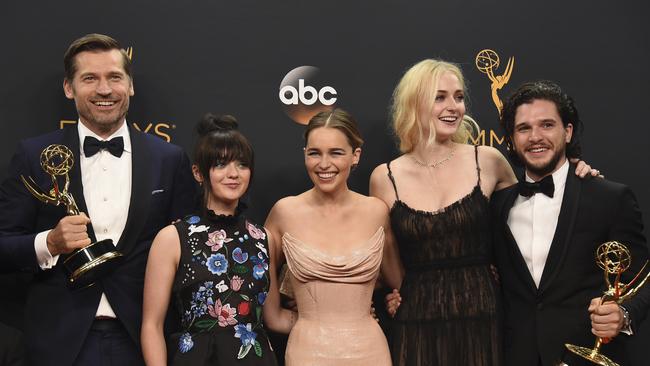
(220, 142)
(545, 90)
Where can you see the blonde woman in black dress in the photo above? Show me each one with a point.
(438, 192)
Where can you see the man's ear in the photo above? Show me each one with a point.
(569, 132)
(67, 89)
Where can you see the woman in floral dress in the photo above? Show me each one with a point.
(214, 264)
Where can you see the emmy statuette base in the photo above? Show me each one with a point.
(591, 355)
(86, 265)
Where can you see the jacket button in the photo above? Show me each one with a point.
(540, 306)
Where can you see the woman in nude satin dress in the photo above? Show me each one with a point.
(334, 241)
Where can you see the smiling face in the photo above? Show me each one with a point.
(101, 90)
(447, 109)
(228, 183)
(329, 158)
(540, 137)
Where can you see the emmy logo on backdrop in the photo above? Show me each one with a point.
(85, 265)
(486, 62)
(613, 258)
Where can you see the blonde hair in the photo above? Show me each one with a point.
(416, 90)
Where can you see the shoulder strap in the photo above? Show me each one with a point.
(392, 180)
(478, 169)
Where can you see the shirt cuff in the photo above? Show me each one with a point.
(627, 322)
(43, 256)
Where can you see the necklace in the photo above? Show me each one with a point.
(436, 163)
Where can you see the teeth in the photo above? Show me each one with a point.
(104, 103)
(326, 175)
(538, 149)
(448, 119)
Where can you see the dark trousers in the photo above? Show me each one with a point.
(12, 347)
(108, 344)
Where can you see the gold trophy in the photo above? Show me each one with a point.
(613, 258)
(486, 62)
(85, 265)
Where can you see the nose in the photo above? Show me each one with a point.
(104, 87)
(324, 162)
(534, 135)
(452, 105)
(231, 170)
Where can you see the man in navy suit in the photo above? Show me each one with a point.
(547, 229)
(128, 183)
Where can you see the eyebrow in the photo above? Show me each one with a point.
(331, 149)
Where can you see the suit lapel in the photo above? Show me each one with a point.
(140, 192)
(71, 140)
(563, 231)
(515, 253)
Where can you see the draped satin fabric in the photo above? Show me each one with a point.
(333, 293)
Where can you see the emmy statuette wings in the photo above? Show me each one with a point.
(85, 265)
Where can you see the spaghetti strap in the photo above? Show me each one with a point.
(392, 180)
(478, 169)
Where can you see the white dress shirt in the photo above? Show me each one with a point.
(106, 181)
(532, 221)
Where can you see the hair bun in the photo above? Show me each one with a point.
(211, 122)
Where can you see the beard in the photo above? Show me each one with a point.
(543, 169)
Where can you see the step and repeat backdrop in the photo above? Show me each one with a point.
(273, 63)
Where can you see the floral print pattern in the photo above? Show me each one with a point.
(217, 264)
(231, 283)
(255, 232)
(217, 239)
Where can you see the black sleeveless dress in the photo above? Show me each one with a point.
(220, 286)
(448, 314)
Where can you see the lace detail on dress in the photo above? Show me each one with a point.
(448, 315)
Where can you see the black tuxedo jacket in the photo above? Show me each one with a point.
(539, 321)
(58, 318)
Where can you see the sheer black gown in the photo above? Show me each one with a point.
(448, 314)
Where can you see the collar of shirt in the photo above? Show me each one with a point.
(559, 179)
(84, 131)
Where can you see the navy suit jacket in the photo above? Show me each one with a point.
(539, 321)
(58, 318)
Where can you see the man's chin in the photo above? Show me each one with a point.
(540, 170)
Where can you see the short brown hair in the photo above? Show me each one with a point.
(340, 120)
(92, 42)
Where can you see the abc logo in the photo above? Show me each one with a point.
(308, 95)
(303, 94)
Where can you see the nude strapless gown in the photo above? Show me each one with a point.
(333, 294)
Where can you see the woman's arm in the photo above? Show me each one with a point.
(392, 271)
(276, 318)
(159, 278)
(505, 176)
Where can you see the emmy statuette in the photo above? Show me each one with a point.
(613, 258)
(85, 265)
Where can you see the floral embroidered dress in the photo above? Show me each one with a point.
(220, 286)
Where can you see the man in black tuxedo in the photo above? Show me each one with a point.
(547, 229)
(131, 186)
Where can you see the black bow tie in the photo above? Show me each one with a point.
(545, 186)
(114, 146)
